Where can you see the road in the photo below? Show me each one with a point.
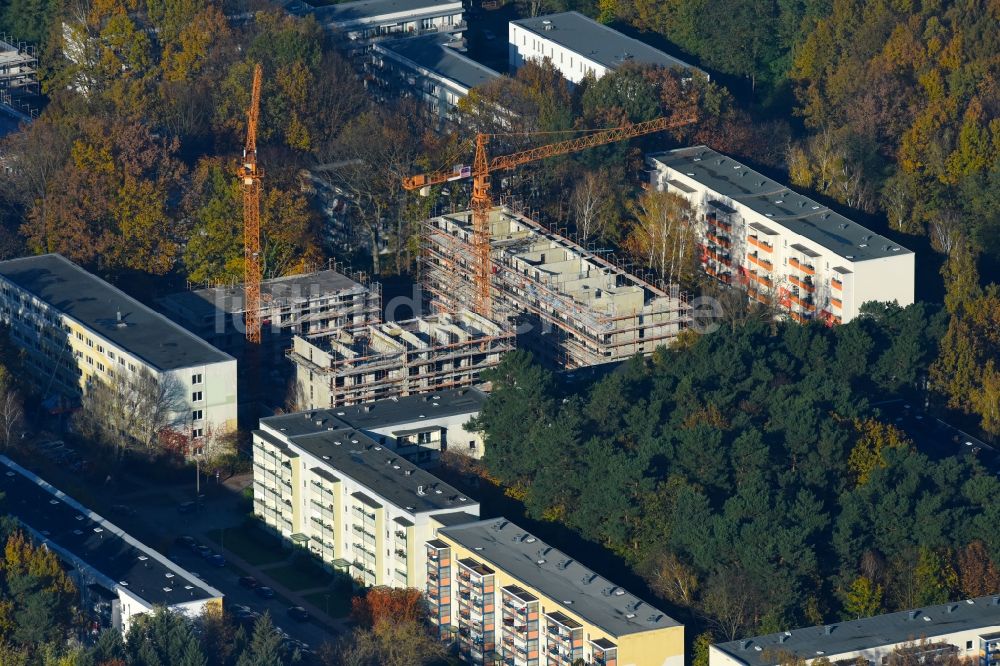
(936, 438)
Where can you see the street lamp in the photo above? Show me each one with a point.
(197, 476)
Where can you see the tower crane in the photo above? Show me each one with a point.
(483, 166)
(250, 177)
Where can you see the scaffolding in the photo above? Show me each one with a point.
(573, 307)
(19, 89)
(396, 359)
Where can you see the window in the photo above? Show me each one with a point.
(196, 378)
(968, 645)
(121, 361)
(111, 355)
(90, 343)
(90, 361)
(100, 366)
(196, 415)
(79, 335)
(131, 367)
(472, 445)
(100, 349)
(196, 396)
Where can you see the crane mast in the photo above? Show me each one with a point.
(481, 202)
(250, 177)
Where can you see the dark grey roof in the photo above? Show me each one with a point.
(382, 413)
(351, 453)
(556, 575)
(202, 304)
(359, 10)
(867, 633)
(597, 42)
(455, 518)
(432, 53)
(95, 304)
(794, 211)
(76, 532)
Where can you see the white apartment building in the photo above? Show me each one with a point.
(432, 69)
(967, 629)
(579, 46)
(76, 328)
(117, 576)
(352, 498)
(784, 248)
(360, 23)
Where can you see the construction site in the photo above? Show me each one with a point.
(19, 89)
(572, 308)
(396, 359)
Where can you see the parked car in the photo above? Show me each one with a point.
(186, 507)
(217, 561)
(264, 592)
(298, 613)
(248, 582)
(240, 608)
(205, 551)
(186, 541)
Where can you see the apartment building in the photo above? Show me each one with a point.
(76, 328)
(572, 307)
(506, 597)
(118, 577)
(784, 248)
(579, 46)
(399, 359)
(432, 69)
(359, 24)
(352, 499)
(968, 629)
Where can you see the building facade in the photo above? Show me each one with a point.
(968, 630)
(581, 47)
(352, 498)
(572, 307)
(399, 359)
(431, 69)
(359, 24)
(118, 577)
(506, 597)
(784, 248)
(76, 329)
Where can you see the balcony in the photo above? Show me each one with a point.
(837, 303)
(719, 240)
(803, 303)
(808, 269)
(762, 263)
(837, 284)
(804, 285)
(725, 226)
(759, 244)
(758, 296)
(800, 318)
(761, 280)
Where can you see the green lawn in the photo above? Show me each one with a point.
(340, 602)
(255, 549)
(301, 576)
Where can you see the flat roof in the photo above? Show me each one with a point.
(279, 292)
(94, 303)
(381, 413)
(74, 530)
(867, 633)
(793, 211)
(597, 42)
(433, 53)
(360, 10)
(579, 590)
(390, 476)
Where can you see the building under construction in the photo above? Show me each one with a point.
(401, 358)
(572, 307)
(322, 302)
(19, 89)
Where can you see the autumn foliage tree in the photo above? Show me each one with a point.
(382, 605)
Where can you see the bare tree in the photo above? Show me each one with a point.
(587, 202)
(131, 409)
(11, 416)
(946, 231)
(673, 579)
(732, 603)
(663, 237)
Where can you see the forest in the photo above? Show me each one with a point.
(747, 476)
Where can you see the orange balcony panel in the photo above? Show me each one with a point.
(756, 242)
(805, 268)
(802, 284)
(763, 263)
(837, 303)
(760, 279)
(837, 284)
(801, 303)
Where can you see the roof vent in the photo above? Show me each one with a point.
(340, 413)
(368, 408)
(477, 548)
(619, 592)
(530, 539)
(378, 448)
(408, 472)
(895, 249)
(568, 602)
(539, 562)
(783, 637)
(927, 618)
(862, 244)
(168, 575)
(913, 614)
(395, 466)
(744, 645)
(328, 457)
(420, 490)
(829, 629)
(843, 225)
(632, 615)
